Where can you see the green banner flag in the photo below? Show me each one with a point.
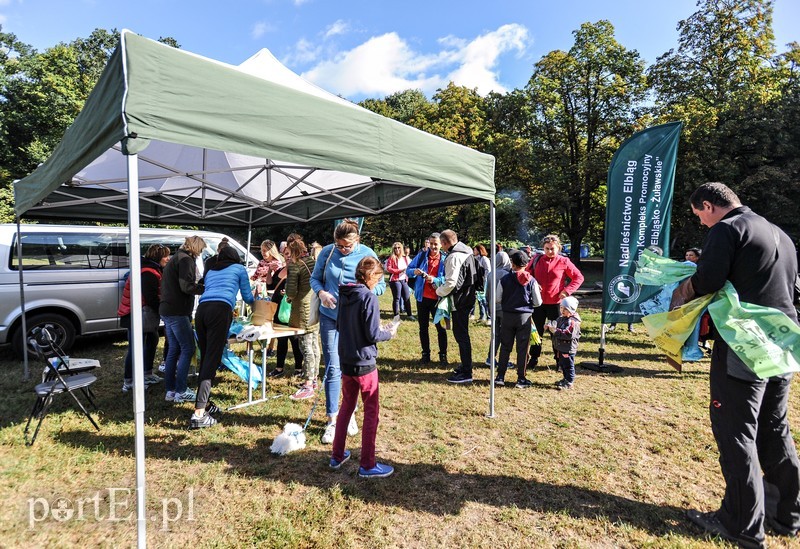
(638, 210)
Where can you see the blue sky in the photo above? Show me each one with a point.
(360, 49)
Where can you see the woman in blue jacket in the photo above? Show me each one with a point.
(226, 278)
(336, 264)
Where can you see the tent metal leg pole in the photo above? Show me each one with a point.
(246, 258)
(493, 306)
(26, 371)
(137, 349)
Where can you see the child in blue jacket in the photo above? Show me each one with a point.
(358, 324)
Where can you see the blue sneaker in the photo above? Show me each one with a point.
(333, 464)
(381, 470)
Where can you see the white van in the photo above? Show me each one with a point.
(74, 276)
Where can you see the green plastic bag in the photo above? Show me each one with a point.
(654, 270)
(284, 311)
(765, 339)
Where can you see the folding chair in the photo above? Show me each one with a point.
(60, 379)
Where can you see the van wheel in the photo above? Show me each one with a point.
(59, 327)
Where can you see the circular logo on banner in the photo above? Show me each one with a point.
(623, 289)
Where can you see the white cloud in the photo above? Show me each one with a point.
(386, 64)
(381, 65)
(3, 19)
(304, 53)
(338, 27)
(478, 59)
(299, 2)
(260, 29)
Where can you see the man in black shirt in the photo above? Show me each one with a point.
(748, 414)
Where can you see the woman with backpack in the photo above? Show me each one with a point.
(153, 262)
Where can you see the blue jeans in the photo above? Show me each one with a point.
(149, 344)
(566, 362)
(180, 336)
(333, 372)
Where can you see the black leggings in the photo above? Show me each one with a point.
(212, 322)
(541, 314)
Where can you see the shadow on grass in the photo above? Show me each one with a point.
(425, 487)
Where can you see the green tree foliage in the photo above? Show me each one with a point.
(455, 113)
(42, 93)
(583, 103)
(735, 97)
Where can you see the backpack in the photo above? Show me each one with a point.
(472, 275)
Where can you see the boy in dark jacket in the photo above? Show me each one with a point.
(517, 294)
(358, 324)
(566, 330)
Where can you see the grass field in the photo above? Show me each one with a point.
(612, 463)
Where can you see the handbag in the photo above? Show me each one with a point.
(150, 319)
(284, 311)
(313, 317)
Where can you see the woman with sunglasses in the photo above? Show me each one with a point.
(336, 264)
(396, 265)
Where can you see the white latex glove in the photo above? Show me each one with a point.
(327, 299)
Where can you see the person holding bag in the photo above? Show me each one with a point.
(282, 345)
(153, 262)
(298, 293)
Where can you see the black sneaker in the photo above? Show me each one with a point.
(712, 525)
(443, 359)
(425, 359)
(499, 382)
(779, 528)
(523, 383)
(275, 373)
(202, 422)
(212, 408)
(460, 377)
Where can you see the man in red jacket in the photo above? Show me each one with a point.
(558, 278)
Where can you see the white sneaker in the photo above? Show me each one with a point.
(186, 396)
(162, 367)
(127, 385)
(330, 432)
(170, 396)
(352, 427)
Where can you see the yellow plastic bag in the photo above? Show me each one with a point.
(670, 330)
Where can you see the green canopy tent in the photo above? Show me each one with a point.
(171, 137)
(218, 144)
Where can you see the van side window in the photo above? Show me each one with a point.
(60, 251)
